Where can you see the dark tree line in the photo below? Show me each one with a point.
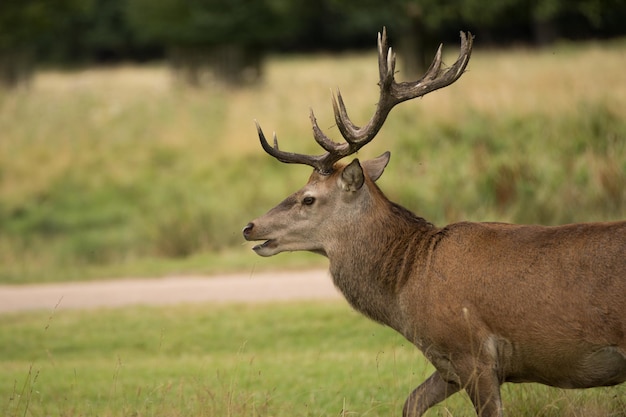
(230, 38)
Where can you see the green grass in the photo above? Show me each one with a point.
(116, 171)
(311, 359)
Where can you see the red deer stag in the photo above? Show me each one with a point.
(486, 303)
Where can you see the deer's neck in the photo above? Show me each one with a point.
(376, 259)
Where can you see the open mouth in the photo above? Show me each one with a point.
(268, 244)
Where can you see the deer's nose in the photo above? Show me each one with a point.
(247, 230)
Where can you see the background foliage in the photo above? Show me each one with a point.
(117, 172)
(230, 37)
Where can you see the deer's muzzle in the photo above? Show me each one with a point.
(264, 249)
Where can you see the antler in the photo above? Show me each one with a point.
(391, 93)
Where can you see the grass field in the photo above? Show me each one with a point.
(310, 359)
(119, 171)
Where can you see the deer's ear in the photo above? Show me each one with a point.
(375, 167)
(352, 177)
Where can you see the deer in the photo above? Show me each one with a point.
(485, 302)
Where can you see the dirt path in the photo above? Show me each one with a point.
(255, 287)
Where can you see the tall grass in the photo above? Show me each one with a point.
(235, 361)
(118, 171)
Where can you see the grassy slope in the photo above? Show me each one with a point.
(117, 172)
(312, 359)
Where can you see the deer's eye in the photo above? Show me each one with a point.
(307, 201)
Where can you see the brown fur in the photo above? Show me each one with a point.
(487, 303)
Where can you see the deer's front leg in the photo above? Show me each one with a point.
(430, 392)
(484, 391)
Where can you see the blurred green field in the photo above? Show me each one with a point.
(235, 361)
(119, 171)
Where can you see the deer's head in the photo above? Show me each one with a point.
(326, 205)
(337, 195)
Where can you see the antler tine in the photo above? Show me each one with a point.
(435, 67)
(386, 68)
(435, 78)
(360, 136)
(324, 141)
(289, 157)
(383, 49)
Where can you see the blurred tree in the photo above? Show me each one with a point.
(576, 19)
(349, 24)
(418, 27)
(107, 35)
(425, 22)
(229, 38)
(23, 24)
(226, 37)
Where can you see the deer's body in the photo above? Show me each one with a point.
(543, 304)
(487, 303)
